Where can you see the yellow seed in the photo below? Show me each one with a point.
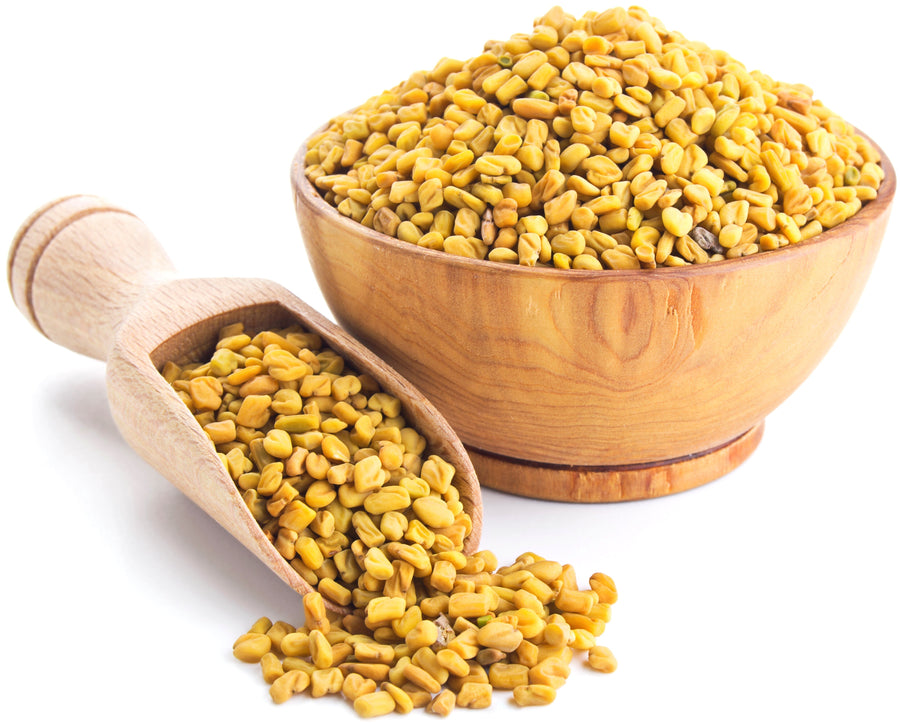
(335, 592)
(602, 659)
(570, 600)
(387, 498)
(468, 604)
(505, 676)
(560, 208)
(367, 472)
(438, 473)
(499, 635)
(251, 647)
(551, 672)
(314, 610)
(277, 443)
(374, 653)
(378, 565)
(424, 634)
(677, 222)
(355, 685)
(433, 511)
(442, 704)
(604, 587)
(254, 411)
(382, 610)
(419, 676)
(613, 259)
(369, 670)
(403, 703)
(206, 392)
(474, 695)
(452, 662)
(320, 650)
(326, 682)
(532, 695)
(295, 644)
(287, 685)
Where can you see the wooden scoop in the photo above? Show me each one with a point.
(93, 278)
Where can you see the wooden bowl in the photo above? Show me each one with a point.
(595, 385)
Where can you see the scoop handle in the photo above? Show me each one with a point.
(78, 265)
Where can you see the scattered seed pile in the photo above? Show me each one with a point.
(605, 142)
(348, 494)
(513, 628)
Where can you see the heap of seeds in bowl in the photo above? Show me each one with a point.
(401, 614)
(605, 142)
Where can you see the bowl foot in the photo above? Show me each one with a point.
(606, 484)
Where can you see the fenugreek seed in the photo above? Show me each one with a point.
(261, 625)
(326, 682)
(374, 652)
(602, 659)
(403, 703)
(442, 704)
(474, 695)
(367, 475)
(393, 525)
(382, 610)
(533, 695)
(254, 411)
(277, 443)
(604, 587)
(377, 672)
(468, 605)
(433, 511)
(569, 600)
(612, 259)
(378, 565)
(677, 222)
(251, 647)
(295, 644)
(506, 676)
(316, 615)
(355, 685)
(438, 473)
(288, 685)
(334, 591)
(452, 662)
(387, 498)
(551, 672)
(206, 392)
(499, 635)
(320, 650)
(426, 658)
(418, 676)
(424, 634)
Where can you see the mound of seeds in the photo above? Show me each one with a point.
(605, 142)
(348, 494)
(513, 628)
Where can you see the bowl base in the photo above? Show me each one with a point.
(607, 484)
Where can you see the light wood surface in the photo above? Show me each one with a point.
(91, 277)
(542, 370)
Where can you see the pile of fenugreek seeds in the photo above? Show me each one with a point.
(605, 142)
(348, 494)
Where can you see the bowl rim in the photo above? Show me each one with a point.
(870, 212)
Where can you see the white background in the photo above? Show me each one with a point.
(770, 595)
